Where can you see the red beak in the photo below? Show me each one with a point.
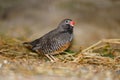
(72, 23)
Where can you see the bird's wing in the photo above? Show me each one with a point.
(42, 41)
(51, 41)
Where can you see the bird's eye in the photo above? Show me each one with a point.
(67, 22)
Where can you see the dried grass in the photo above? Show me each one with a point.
(100, 59)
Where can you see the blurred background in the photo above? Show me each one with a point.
(30, 19)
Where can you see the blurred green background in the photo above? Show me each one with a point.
(30, 19)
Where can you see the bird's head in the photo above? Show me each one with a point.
(66, 24)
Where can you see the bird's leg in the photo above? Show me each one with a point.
(55, 59)
(51, 58)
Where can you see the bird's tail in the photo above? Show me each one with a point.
(27, 45)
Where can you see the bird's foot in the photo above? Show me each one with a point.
(51, 58)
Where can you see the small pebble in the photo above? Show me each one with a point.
(5, 62)
(1, 65)
(118, 72)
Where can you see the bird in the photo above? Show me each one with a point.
(54, 42)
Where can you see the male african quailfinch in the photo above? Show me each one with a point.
(55, 41)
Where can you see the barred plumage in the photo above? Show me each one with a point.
(56, 41)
